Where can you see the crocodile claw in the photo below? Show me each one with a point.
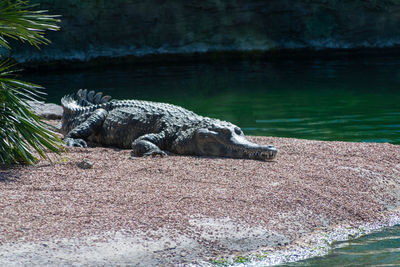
(75, 142)
(155, 153)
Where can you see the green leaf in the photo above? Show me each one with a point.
(22, 131)
(18, 22)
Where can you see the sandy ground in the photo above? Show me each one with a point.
(179, 209)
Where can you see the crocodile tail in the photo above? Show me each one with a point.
(84, 98)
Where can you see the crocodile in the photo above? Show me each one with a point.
(152, 128)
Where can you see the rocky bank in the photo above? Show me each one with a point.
(100, 28)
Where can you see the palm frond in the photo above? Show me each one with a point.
(21, 130)
(18, 22)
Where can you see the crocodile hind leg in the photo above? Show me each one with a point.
(148, 145)
(77, 135)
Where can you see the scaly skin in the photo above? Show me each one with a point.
(152, 128)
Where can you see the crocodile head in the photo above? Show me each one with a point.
(225, 141)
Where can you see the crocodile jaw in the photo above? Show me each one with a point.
(225, 142)
(239, 147)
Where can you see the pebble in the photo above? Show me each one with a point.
(85, 164)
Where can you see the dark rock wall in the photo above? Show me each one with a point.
(93, 28)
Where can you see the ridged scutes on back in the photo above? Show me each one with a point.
(83, 98)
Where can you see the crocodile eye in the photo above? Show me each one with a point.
(238, 131)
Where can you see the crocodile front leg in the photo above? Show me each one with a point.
(148, 145)
(77, 135)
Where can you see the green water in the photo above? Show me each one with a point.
(356, 100)
(325, 100)
(378, 249)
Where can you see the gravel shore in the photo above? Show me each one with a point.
(180, 209)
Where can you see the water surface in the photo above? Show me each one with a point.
(377, 249)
